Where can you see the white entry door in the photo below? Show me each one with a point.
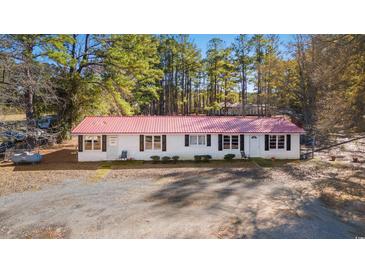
(254, 146)
(113, 148)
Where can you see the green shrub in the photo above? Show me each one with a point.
(202, 158)
(165, 159)
(155, 158)
(197, 158)
(206, 158)
(229, 157)
(175, 158)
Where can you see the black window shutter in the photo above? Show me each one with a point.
(209, 138)
(288, 142)
(103, 143)
(163, 142)
(80, 143)
(141, 143)
(220, 147)
(242, 142)
(266, 142)
(186, 140)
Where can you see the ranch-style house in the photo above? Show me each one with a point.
(102, 138)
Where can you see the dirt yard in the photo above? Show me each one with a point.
(61, 198)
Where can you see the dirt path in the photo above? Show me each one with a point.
(246, 202)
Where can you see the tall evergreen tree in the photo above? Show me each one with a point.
(242, 47)
(259, 42)
(32, 56)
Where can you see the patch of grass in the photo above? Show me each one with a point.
(271, 163)
(128, 163)
(101, 172)
(181, 163)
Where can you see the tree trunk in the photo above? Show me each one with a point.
(243, 91)
(29, 90)
(258, 100)
(29, 108)
(225, 96)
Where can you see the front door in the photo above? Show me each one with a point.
(113, 148)
(254, 146)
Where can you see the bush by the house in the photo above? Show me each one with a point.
(175, 158)
(155, 158)
(165, 159)
(202, 158)
(206, 158)
(197, 158)
(229, 157)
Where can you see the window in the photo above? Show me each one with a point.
(201, 140)
(281, 141)
(92, 142)
(230, 142)
(97, 143)
(157, 142)
(234, 141)
(277, 141)
(193, 140)
(88, 142)
(272, 141)
(197, 140)
(152, 142)
(226, 142)
(148, 145)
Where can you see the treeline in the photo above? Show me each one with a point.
(317, 79)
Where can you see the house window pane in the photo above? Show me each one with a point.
(193, 140)
(201, 139)
(197, 140)
(273, 141)
(88, 142)
(148, 145)
(157, 142)
(281, 141)
(235, 142)
(97, 143)
(226, 142)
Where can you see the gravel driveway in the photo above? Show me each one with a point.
(249, 202)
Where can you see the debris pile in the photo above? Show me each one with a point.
(16, 137)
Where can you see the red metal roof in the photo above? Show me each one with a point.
(184, 124)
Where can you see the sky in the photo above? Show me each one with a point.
(201, 40)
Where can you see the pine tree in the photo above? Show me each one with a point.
(242, 47)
